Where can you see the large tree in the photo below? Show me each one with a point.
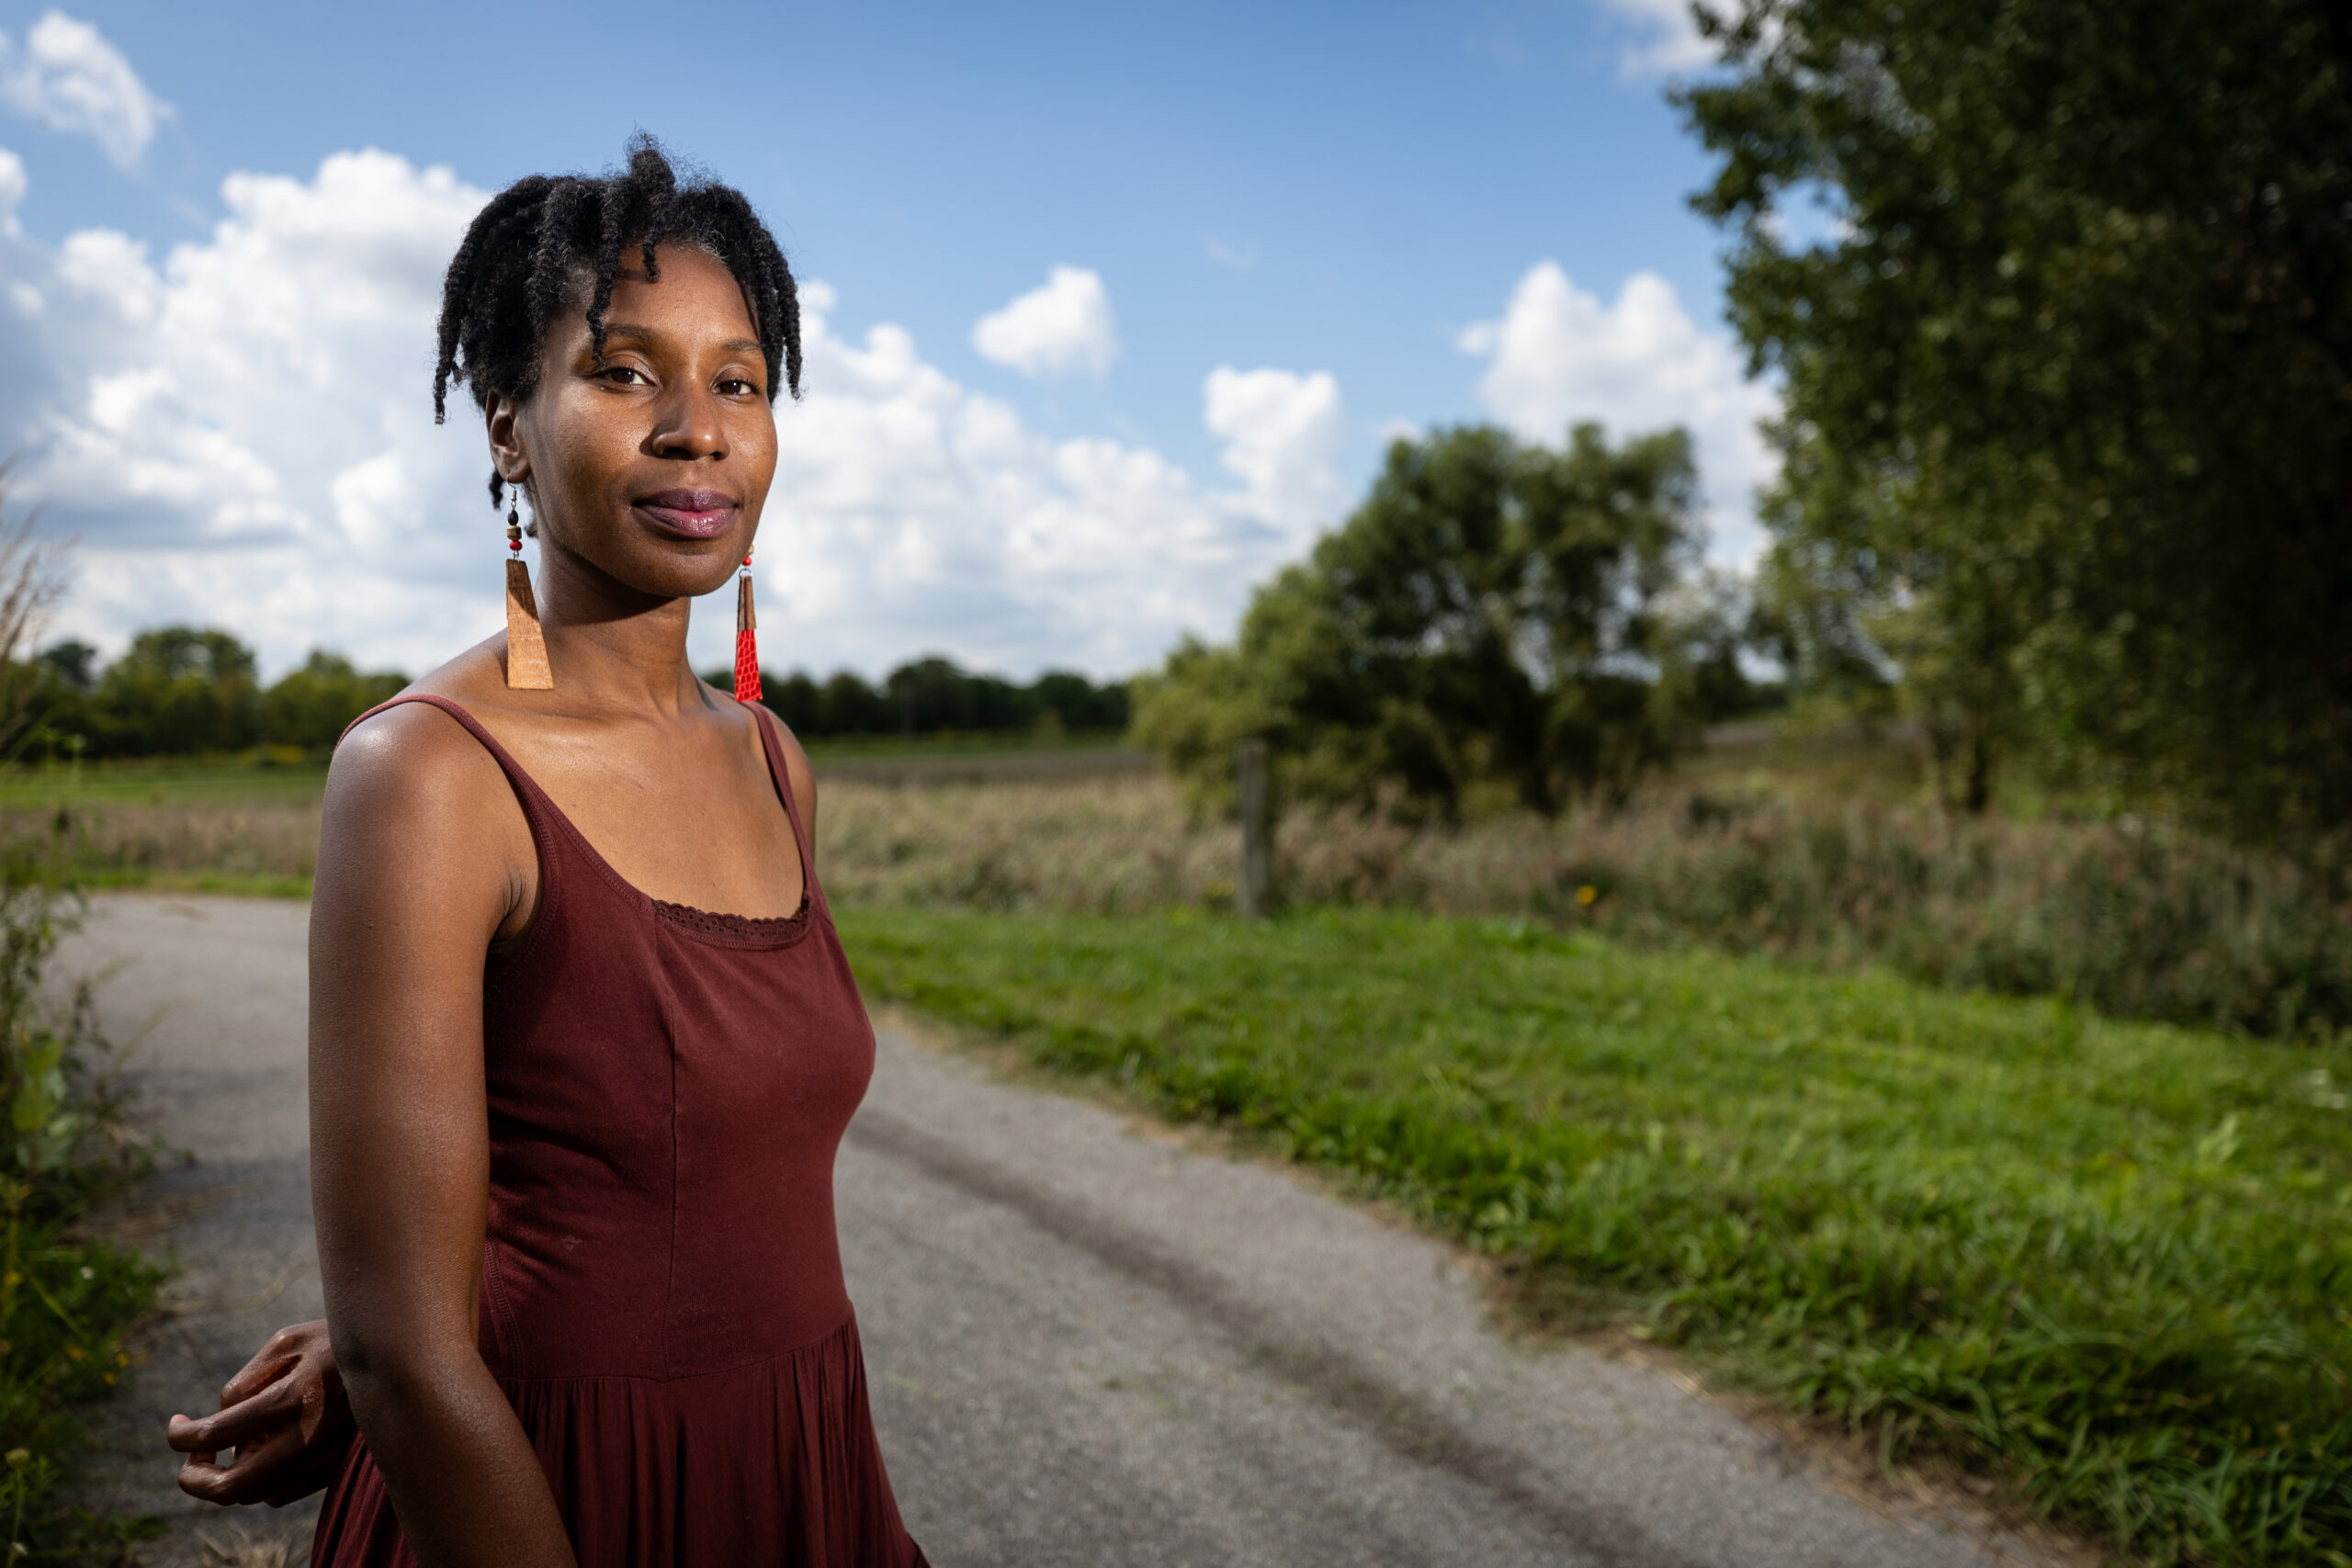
(2068, 431)
(1494, 610)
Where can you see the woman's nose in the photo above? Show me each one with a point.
(689, 426)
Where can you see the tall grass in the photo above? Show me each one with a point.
(259, 844)
(2133, 919)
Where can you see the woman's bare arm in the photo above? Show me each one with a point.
(417, 874)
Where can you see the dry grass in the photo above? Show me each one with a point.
(2134, 917)
(2137, 918)
(173, 839)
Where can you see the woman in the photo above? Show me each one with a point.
(572, 1133)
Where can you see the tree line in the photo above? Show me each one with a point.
(187, 691)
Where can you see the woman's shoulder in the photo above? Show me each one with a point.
(411, 752)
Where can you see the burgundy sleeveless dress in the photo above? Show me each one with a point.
(661, 1293)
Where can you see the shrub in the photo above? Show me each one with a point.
(66, 1300)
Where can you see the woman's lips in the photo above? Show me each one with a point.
(688, 514)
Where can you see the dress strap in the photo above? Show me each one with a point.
(767, 724)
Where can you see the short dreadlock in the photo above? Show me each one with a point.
(543, 237)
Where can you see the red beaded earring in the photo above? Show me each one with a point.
(746, 642)
(527, 649)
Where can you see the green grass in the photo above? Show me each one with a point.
(226, 884)
(2110, 1262)
(161, 781)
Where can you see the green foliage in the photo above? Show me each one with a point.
(2132, 919)
(2069, 383)
(933, 696)
(312, 706)
(1494, 612)
(66, 1301)
(2106, 1261)
(179, 691)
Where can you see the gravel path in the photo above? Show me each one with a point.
(1088, 1343)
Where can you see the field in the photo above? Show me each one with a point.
(1718, 1069)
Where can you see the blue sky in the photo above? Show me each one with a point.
(1392, 215)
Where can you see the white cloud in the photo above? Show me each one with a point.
(910, 513)
(1233, 258)
(1066, 325)
(241, 433)
(1668, 36)
(1559, 356)
(205, 418)
(13, 185)
(68, 77)
(1282, 433)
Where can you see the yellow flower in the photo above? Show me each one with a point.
(72, 1352)
(1587, 893)
(19, 1456)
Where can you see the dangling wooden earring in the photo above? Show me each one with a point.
(527, 649)
(747, 645)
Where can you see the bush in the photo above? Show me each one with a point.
(66, 1300)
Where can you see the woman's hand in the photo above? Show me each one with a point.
(285, 1416)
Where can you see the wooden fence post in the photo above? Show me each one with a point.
(1257, 846)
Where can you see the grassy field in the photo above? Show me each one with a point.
(2110, 1263)
(1823, 854)
(1679, 1086)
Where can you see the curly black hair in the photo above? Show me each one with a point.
(545, 237)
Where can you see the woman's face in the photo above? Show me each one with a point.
(652, 460)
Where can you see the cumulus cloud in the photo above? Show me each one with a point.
(204, 417)
(1559, 356)
(1064, 326)
(239, 431)
(910, 512)
(1282, 433)
(1665, 36)
(68, 77)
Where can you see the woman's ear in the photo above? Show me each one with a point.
(502, 422)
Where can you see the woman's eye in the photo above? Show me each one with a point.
(736, 386)
(615, 372)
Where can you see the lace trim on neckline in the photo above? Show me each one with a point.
(763, 928)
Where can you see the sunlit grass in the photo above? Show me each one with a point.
(2111, 1261)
